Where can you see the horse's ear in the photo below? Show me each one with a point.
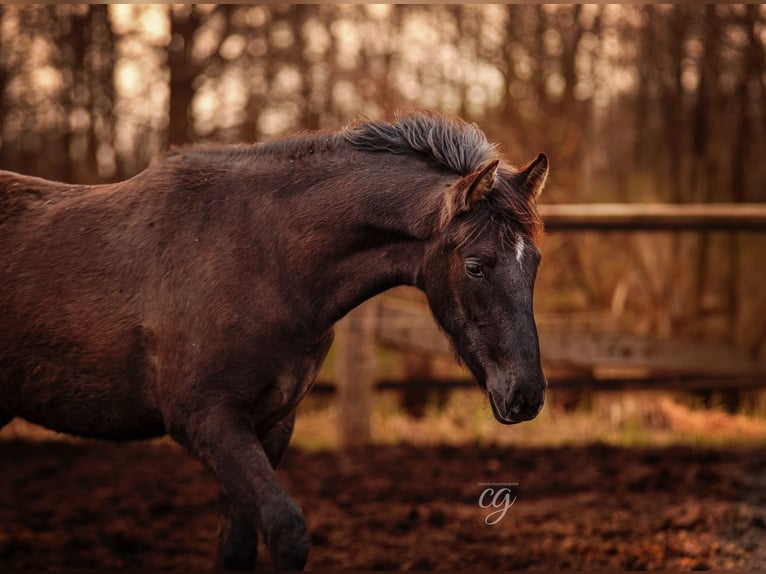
(534, 176)
(476, 186)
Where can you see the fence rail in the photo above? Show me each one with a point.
(655, 216)
(407, 326)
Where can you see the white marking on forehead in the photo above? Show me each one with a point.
(519, 249)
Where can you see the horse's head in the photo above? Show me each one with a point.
(479, 274)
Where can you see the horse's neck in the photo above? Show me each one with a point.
(380, 227)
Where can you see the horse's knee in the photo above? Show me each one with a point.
(287, 537)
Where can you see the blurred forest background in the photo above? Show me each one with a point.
(632, 103)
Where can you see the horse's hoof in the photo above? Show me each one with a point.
(288, 541)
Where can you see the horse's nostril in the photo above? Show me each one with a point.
(513, 402)
(522, 407)
(515, 406)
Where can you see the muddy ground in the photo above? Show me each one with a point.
(151, 506)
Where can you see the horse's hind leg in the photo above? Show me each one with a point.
(237, 537)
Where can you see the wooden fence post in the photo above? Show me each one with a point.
(355, 372)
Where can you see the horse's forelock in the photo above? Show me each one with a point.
(507, 211)
(513, 206)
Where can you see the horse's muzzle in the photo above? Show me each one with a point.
(519, 404)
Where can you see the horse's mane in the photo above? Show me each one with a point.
(449, 141)
(463, 148)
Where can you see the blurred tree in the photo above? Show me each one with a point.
(632, 103)
(87, 54)
(184, 68)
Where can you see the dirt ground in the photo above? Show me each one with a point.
(151, 506)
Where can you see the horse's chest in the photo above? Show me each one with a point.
(295, 379)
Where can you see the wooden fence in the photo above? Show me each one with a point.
(655, 217)
(571, 357)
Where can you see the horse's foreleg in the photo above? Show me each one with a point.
(237, 538)
(230, 448)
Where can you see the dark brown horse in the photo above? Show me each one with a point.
(198, 298)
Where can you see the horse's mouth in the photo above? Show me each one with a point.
(522, 410)
(500, 418)
(495, 411)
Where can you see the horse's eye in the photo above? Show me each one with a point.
(474, 269)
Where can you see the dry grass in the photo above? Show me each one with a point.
(625, 419)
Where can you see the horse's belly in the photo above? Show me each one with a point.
(79, 399)
(72, 407)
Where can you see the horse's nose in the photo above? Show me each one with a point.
(524, 406)
(521, 402)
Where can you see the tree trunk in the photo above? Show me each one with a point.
(184, 23)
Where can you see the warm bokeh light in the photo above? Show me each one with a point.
(649, 451)
(632, 103)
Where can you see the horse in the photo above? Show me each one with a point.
(197, 299)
